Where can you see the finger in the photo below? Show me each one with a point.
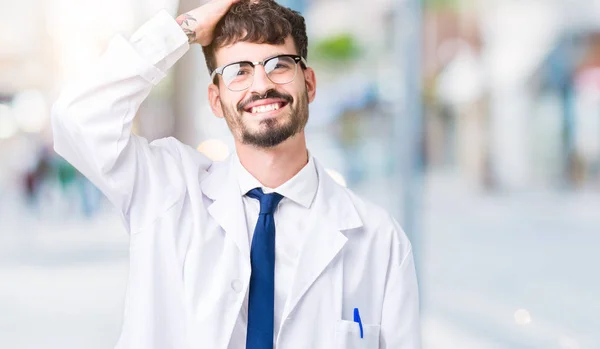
(223, 3)
(219, 7)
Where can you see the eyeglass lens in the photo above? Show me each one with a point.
(239, 76)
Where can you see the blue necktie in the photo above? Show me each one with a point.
(262, 280)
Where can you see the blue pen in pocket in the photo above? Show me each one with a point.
(357, 319)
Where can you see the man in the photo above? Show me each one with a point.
(263, 250)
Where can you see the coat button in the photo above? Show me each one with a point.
(236, 285)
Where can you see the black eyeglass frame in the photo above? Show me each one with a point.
(297, 59)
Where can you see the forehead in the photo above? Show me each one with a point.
(248, 51)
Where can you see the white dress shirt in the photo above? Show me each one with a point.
(290, 219)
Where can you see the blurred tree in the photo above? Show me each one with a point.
(66, 173)
(338, 48)
(441, 4)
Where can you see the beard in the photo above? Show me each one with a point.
(272, 131)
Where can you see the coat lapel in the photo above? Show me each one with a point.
(221, 185)
(332, 213)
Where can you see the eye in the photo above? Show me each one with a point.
(281, 64)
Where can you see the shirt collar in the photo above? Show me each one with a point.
(301, 188)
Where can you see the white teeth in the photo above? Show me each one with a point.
(265, 108)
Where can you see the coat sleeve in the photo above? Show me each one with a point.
(400, 323)
(93, 116)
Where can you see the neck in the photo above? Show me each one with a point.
(274, 166)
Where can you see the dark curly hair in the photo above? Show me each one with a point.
(261, 22)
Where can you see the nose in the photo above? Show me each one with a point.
(261, 83)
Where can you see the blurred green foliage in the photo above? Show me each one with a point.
(341, 47)
(440, 4)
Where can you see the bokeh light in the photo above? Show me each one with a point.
(214, 149)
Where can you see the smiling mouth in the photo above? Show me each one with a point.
(266, 108)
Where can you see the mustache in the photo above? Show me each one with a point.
(269, 94)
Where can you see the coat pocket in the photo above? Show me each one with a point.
(347, 336)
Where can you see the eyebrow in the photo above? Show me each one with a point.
(279, 53)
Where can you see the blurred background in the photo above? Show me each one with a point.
(475, 122)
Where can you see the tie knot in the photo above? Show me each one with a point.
(268, 202)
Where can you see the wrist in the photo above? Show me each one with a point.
(188, 24)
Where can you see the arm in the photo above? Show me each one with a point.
(93, 116)
(400, 323)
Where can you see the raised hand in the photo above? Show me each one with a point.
(199, 23)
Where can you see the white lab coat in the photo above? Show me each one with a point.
(189, 249)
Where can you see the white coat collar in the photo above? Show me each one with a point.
(222, 183)
(301, 188)
(332, 212)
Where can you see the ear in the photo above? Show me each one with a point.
(311, 83)
(214, 98)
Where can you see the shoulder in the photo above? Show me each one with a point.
(378, 224)
(188, 156)
(192, 166)
(374, 216)
(369, 220)
(371, 213)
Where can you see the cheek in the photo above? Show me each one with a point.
(296, 91)
(230, 102)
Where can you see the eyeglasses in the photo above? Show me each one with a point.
(280, 69)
